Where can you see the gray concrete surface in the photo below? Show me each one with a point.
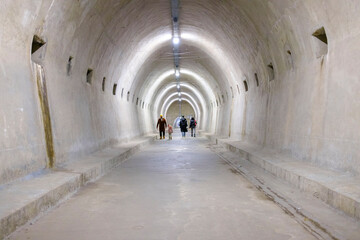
(319, 218)
(172, 190)
(26, 199)
(338, 189)
(309, 110)
(303, 104)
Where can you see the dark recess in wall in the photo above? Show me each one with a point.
(246, 86)
(69, 65)
(114, 89)
(321, 42)
(38, 47)
(321, 35)
(89, 75)
(37, 43)
(103, 84)
(271, 71)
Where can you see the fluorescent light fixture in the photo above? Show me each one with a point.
(179, 99)
(179, 94)
(176, 40)
(177, 73)
(178, 86)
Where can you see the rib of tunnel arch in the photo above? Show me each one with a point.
(104, 37)
(172, 101)
(201, 110)
(156, 83)
(223, 77)
(170, 88)
(178, 100)
(172, 96)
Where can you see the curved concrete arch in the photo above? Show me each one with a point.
(189, 97)
(298, 50)
(193, 104)
(208, 70)
(182, 85)
(182, 99)
(158, 81)
(152, 43)
(214, 49)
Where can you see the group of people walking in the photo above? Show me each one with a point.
(184, 125)
(161, 125)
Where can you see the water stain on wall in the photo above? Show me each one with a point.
(45, 110)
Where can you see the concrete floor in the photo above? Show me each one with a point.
(172, 190)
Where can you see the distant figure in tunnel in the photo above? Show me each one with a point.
(183, 126)
(170, 131)
(193, 124)
(161, 125)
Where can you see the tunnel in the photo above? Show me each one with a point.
(272, 85)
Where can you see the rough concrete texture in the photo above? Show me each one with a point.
(24, 200)
(309, 109)
(340, 190)
(173, 112)
(189, 194)
(298, 59)
(322, 220)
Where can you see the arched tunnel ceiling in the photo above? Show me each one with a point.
(146, 49)
(192, 60)
(223, 44)
(133, 38)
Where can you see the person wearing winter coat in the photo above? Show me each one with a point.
(193, 124)
(161, 125)
(183, 126)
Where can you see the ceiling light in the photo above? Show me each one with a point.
(177, 73)
(176, 40)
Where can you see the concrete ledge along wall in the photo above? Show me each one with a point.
(302, 102)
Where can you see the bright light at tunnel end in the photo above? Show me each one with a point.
(176, 40)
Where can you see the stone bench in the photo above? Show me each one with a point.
(339, 190)
(24, 200)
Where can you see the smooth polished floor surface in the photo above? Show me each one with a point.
(175, 189)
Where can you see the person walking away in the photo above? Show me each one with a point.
(161, 125)
(193, 124)
(183, 126)
(170, 131)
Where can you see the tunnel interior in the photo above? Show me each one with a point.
(274, 82)
(81, 76)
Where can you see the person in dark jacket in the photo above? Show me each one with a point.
(193, 124)
(161, 124)
(183, 126)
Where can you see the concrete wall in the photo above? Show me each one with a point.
(173, 112)
(309, 111)
(84, 118)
